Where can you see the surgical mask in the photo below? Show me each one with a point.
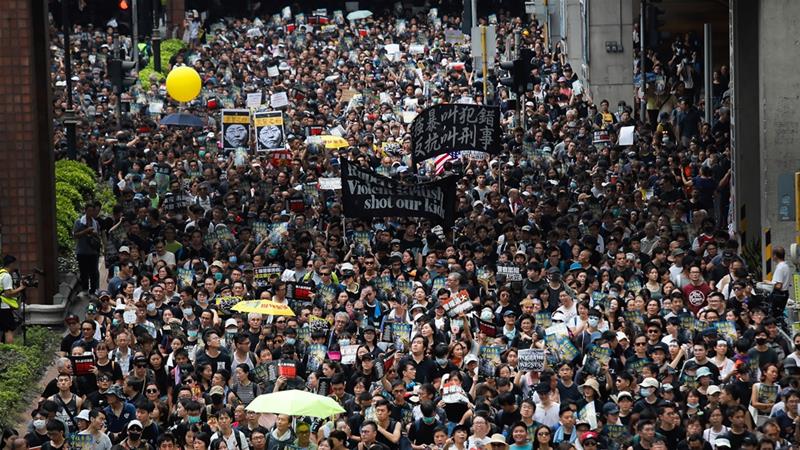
(39, 424)
(192, 333)
(761, 341)
(134, 436)
(797, 347)
(273, 252)
(151, 307)
(187, 311)
(441, 361)
(232, 259)
(289, 341)
(115, 322)
(193, 419)
(218, 276)
(593, 321)
(644, 392)
(692, 405)
(429, 420)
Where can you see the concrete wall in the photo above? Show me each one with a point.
(607, 75)
(779, 116)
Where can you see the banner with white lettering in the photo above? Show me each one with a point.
(269, 131)
(235, 129)
(446, 128)
(368, 194)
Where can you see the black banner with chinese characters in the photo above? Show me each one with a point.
(453, 127)
(368, 194)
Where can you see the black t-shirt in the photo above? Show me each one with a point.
(67, 341)
(737, 439)
(672, 437)
(421, 433)
(425, 369)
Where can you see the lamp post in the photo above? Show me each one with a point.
(70, 119)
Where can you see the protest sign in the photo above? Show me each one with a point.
(82, 365)
(489, 360)
(224, 304)
(452, 127)
(367, 194)
(253, 100)
(510, 271)
(457, 304)
(330, 184)
(269, 131)
(235, 129)
(349, 353)
(279, 100)
(531, 359)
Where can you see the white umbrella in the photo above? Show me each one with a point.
(358, 15)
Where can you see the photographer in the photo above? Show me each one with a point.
(9, 299)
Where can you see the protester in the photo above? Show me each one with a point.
(603, 301)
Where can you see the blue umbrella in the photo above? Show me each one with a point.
(182, 120)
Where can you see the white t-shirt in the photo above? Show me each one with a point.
(783, 275)
(547, 416)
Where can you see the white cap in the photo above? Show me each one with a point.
(83, 415)
(135, 422)
(231, 323)
(470, 358)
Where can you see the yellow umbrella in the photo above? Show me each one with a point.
(264, 307)
(329, 141)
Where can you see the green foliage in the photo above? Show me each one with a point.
(169, 48)
(77, 178)
(22, 365)
(76, 184)
(145, 75)
(70, 193)
(105, 195)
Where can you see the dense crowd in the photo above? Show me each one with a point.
(613, 264)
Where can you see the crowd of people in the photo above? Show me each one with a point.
(615, 265)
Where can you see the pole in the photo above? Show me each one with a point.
(547, 36)
(69, 114)
(135, 32)
(117, 89)
(485, 64)
(156, 38)
(642, 70)
(517, 47)
(473, 6)
(707, 66)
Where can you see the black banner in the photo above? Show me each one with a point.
(367, 194)
(235, 129)
(453, 127)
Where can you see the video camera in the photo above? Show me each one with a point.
(31, 280)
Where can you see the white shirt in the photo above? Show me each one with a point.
(783, 275)
(547, 416)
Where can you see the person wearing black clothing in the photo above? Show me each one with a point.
(421, 431)
(57, 433)
(73, 333)
(738, 432)
(425, 366)
(669, 425)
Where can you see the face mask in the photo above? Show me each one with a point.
(289, 341)
(692, 405)
(428, 420)
(192, 333)
(273, 252)
(151, 307)
(441, 361)
(115, 322)
(187, 311)
(644, 392)
(134, 436)
(39, 424)
(761, 341)
(232, 260)
(593, 321)
(218, 276)
(797, 347)
(193, 419)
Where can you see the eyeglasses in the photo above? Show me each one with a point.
(152, 391)
(638, 344)
(652, 331)
(543, 433)
(325, 274)
(280, 321)
(590, 444)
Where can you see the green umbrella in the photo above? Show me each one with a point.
(295, 403)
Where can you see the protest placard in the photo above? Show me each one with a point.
(531, 359)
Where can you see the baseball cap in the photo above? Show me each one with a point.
(713, 389)
(722, 443)
(231, 323)
(135, 423)
(588, 435)
(651, 382)
(71, 318)
(470, 358)
(610, 408)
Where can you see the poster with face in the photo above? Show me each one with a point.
(269, 131)
(235, 128)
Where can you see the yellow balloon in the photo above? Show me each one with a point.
(183, 84)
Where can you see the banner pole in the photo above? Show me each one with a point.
(484, 57)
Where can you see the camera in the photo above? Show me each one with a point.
(30, 279)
